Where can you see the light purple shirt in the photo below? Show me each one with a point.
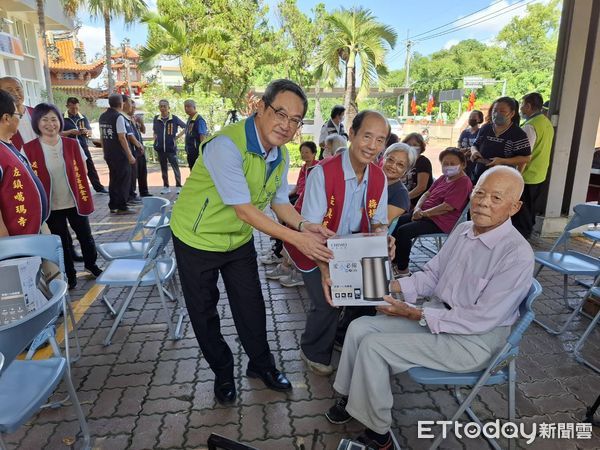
(482, 278)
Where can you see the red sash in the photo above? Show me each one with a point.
(75, 168)
(20, 201)
(17, 139)
(335, 189)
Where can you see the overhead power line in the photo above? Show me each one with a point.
(482, 19)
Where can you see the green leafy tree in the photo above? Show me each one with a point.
(302, 37)
(354, 38)
(181, 36)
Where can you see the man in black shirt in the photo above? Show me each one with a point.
(77, 126)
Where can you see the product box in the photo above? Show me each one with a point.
(360, 269)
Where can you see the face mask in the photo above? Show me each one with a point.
(499, 119)
(473, 122)
(524, 116)
(451, 171)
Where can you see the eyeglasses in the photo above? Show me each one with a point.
(18, 114)
(399, 164)
(283, 118)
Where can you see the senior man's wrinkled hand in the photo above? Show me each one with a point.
(399, 308)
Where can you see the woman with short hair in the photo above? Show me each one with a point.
(59, 162)
(398, 159)
(420, 177)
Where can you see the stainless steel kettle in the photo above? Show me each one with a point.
(375, 277)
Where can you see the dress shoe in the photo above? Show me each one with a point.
(72, 282)
(102, 191)
(225, 392)
(94, 270)
(272, 378)
(76, 256)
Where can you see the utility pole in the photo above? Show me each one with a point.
(409, 44)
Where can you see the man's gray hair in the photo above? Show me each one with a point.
(9, 78)
(411, 153)
(336, 141)
(507, 171)
(190, 102)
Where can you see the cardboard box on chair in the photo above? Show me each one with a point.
(360, 269)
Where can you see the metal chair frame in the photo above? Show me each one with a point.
(555, 260)
(153, 256)
(13, 339)
(500, 370)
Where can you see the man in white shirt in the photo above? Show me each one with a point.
(25, 133)
(334, 125)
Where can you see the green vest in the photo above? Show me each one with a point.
(536, 170)
(201, 219)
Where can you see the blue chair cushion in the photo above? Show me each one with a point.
(120, 250)
(24, 387)
(424, 375)
(593, 235)
(124, 272)
(569, 263)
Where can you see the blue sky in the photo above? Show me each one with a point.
(403, 15)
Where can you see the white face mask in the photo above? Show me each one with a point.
(451, 171)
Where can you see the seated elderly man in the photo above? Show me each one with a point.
(476, 283)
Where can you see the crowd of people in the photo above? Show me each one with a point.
(363, 180)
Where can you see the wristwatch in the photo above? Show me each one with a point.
(422, 320)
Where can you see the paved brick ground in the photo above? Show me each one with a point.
(146, 391)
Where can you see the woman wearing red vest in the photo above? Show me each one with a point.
(59, 162)
(23, 205)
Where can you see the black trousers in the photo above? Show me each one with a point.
(192, 157)
(57, 222)
(321, 322)
(142, 174)
(91, 171)
(171, 158)
(406, 230)
(524, 219)
(199, 272)
(119, 182)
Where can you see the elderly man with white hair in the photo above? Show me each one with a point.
(475, 285)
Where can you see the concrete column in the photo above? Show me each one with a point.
(575, 112)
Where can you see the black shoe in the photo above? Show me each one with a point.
(376, 444)
(272, 378)
(94, 270)
(72, 282)
(146, 194)
(102, 191)
(135, 200)
(337, 414)
(225, 392)
(76, 257)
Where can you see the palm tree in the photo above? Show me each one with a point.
(41, 13)
(354, 38)
(130, 10)
(172, 39)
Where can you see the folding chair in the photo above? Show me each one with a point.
(569, 262)
(132, 248)
(440, 238)
(500, 370)
(154, 269)
(151, 207)
(595, 291)
(48, 247)
(26, 385)
(594, 236)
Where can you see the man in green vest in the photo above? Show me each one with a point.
(540, 132)
(239, 171)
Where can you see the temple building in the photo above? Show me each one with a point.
(69, 71)
(126, 72)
